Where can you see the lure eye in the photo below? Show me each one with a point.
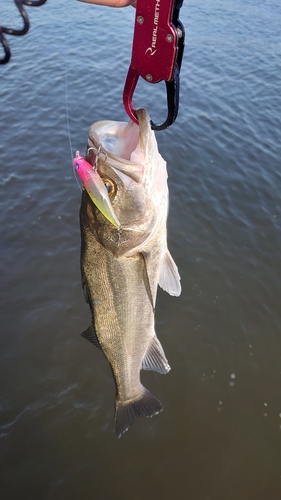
(110, 186)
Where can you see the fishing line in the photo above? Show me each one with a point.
(67, 114)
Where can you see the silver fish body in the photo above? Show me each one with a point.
(121, 268)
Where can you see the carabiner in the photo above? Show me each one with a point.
(157, 52)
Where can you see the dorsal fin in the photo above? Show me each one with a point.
(90, 335)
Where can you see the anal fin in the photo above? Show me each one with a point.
(155, 358)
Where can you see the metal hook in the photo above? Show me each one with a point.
(97, 153)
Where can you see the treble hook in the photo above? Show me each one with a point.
(15, 32)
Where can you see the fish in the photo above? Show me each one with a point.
(121, 268)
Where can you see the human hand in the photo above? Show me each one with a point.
(112, 3)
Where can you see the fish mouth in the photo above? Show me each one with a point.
(122, 146)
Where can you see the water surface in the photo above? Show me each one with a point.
(219, 436)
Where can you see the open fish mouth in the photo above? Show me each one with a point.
(121, 146)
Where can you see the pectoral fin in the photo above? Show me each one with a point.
(155, 358)
(169, 279)
(146, 281)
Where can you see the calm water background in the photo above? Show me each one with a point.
(219, 436)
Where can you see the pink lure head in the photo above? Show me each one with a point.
(82, 167)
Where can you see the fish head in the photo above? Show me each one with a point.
(135, 176)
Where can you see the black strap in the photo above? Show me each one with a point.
(15, 32)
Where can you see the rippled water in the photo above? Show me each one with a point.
(219, 436)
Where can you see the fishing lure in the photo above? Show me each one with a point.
(95, 188)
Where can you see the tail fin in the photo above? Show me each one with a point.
(125, 414)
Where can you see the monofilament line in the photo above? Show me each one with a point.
(67, 113)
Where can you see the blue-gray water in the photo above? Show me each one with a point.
(219, 436)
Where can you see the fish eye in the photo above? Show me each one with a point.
(110, 186)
